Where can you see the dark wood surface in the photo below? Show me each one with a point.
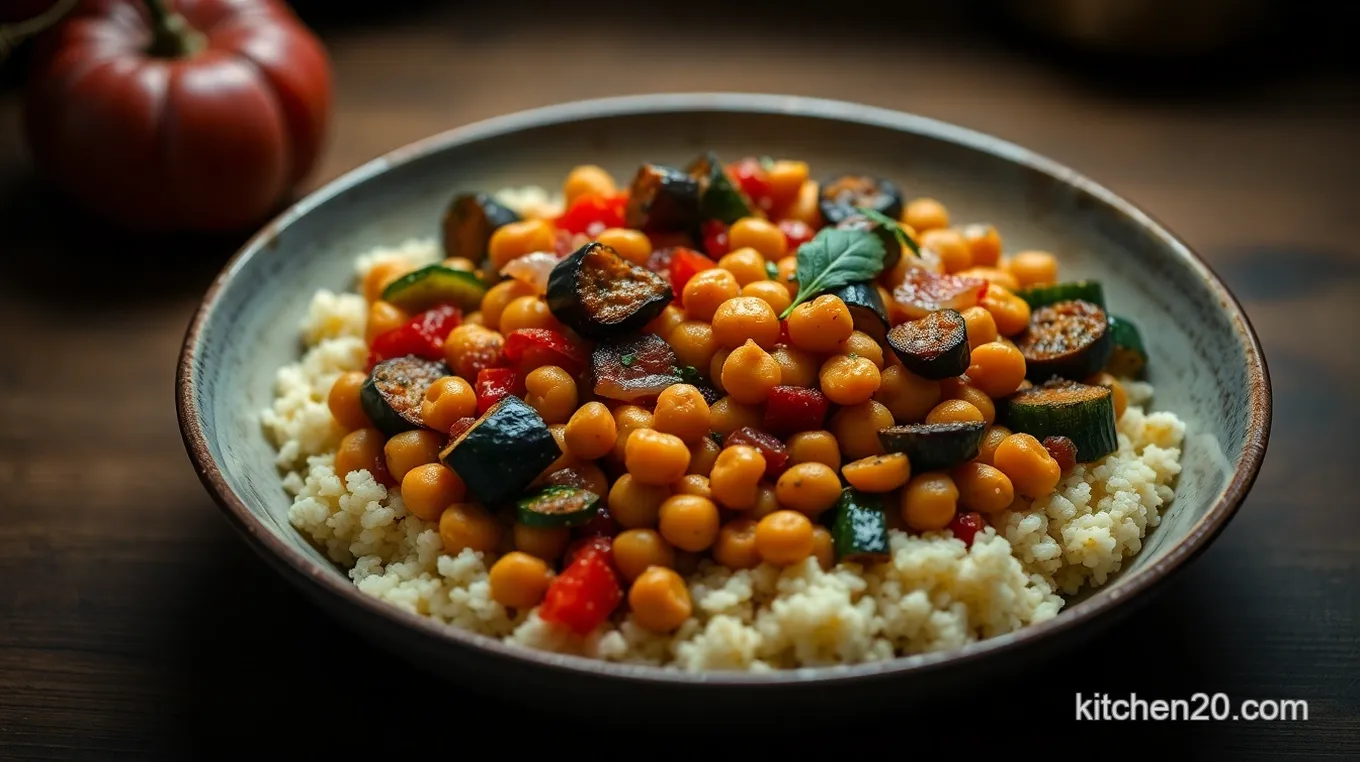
(134, 623)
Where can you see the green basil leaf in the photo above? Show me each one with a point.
(892, 225)
(771, 270)
(835, 258)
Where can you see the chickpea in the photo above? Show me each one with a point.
(632, 245)
(1010, 312)
(588, 180)
(787, 274)
(447, 400)
(749, 373)
(796, 367)
(552, 392)
(547, 543)
(745, 264)
(653, 457)
(409, 449)
(996, 369)
(380, 276)
(693, 484)
(636, 550)
(1118, 395)
(669, 319)
(590, 432)
(517, 239)
(427, 490)
(821, 324)
(771, 292)
(767, 502)
(1033, 268)
(745, 318)
(627, 418)
(693, 343)
(814, 447)
(878, 473)
(706, 291)
(470, 347)
(528, 312)
(736, 475)
(950, 246)
(659, 600)
(806, 205)
(862, 344)
(1032, 471)
(786, 178)
(984, 243)
(689, 522)
(635, 505)
(908, 396)
(847, 380)
(982, 488)
(990, 439)
(383, 317)
(823, 548)
(784, 538)
(925, 214)
(954, 411)
(715, 367)
(681, 410)
(468, 525)
(856, 428)
(735, 547)
(995, 275)
(498, 297)
(727, 415)
(761, 235)
(974, 396)
(518, 580)
(343, 401)
(808, 488)
(362, 450)
(702, 455)
(980, 326)
(929, 502)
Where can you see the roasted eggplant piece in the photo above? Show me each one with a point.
(601, 295)
(469, 222)
(866, 307)
(719, 199)
(662, 199)
(934, 446)
(1068, 339)
(392, 394)
(934, 347)
(636, 368)
(840, 197)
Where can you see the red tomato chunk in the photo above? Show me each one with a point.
(422, 336)
(791, 409)
(775, 453)
(583, 596)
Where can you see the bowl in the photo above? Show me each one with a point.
(1207, 364)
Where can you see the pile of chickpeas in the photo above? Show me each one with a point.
(675, 492)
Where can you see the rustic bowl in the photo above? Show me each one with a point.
(1206, 363)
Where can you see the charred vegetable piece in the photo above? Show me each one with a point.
(1068, 339)
(719, 199)
(1128, 358)
(934, 347)
(922, 292)
(662, 199)
(1060, 408)
(502, 453)
(1042, 296)
(892, 245)
(558, 507)
(635, 368)
(840, 196)
(601, 295)
(860, 531)
(933, 446)
(435, 285)
(866, 307)
(392, 394)
(469, 222)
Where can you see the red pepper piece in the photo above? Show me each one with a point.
(1063, 450)
(583, 596)
(598, 543)
(460, 426)
(536, 347)
(494, 385)
(592, 213)
(422, 336)
(796, 233)
(685, 263)
(965, 526)
(752, 179)
(715, 239)
(776, 454)
(791, 409)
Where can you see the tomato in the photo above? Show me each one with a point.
(796, 233)
(534, 347)
(965, 526)
(685, 263)
(775, 453)
(791, 409)
(751, 179)
(593, 213)
(587, 591)
(494, 385)
(422, 336)
(923, 292)
(209, 127)
(716, 244)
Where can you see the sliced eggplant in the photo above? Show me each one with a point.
(601, 295)
(392, 394)
(502, 453)
(934, 446)
(1128, 358)
(860, 530)
(1061, 408)
(840, 197)
(635, 368)
(662, 199)
(934, 347)
(719, 199)
(866, 307)
(1068, 339)
(892, 245)
(558, 506)
(1042, 296)
(434, 285)
(469, 221)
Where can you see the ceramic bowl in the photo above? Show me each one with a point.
(1206, 363)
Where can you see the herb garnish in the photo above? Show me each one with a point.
(689, 374)
(834, 258)
(628, 360)
(771, 270)
(891, 225)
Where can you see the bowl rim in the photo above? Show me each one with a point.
(325, 580)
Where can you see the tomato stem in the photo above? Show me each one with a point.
(172, 35)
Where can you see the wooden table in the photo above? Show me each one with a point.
(133, 620)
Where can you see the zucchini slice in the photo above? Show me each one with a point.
(558, 506)
(469, 221)
(1061, 408)
(434, 285)
(935, 446)
(1128, 358)
(1042, 296)
(502, 452)
(840, 196)
(892, 245)
(635, 368)
(1068, 339)
(662, 200)
(600, 295)
(719, 199)
(866, 307)
(392, 394)
(934, 347)
(860, 530)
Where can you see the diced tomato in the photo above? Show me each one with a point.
(715, 239)
(791, 409)
(752, 179)
(422, 336)
(684, 264)
(796, 233)
(923, 292)
(587, 591)
(592, 213)
(1063, 450)
(965, 526)
(775, 453)
(460, 426)
(494, 385)
(601, 543)
(529, 348)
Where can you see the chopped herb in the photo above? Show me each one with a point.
(892, 225)
(771, 270)
(628, 360)
(689, 374)
(834, 258)
(853, 356)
